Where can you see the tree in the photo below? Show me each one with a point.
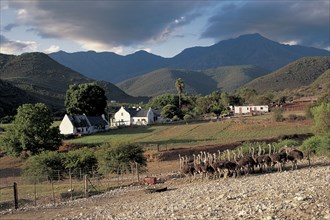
(32, 131)
(179, 85)
(161, 101)
(169, 111)
(87, 98)
(321, 116)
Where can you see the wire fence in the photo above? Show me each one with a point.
(61, 186)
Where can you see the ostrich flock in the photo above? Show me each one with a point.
(222, 164)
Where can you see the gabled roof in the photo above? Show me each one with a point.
(97, 121)
(137, 112)
(79, 120)
(87, 121)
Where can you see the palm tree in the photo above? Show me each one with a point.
(179, 85)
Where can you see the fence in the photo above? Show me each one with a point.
(64, 185)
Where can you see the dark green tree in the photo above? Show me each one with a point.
(32, 131)
(169, 111)
(161, 101)
(87, 98)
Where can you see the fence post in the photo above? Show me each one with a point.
(71, 190)
(15, 195)
(53, 191)
(137, 171)
(35, 193)
(86, 186)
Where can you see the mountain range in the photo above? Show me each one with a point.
(250, 60)
(251, 49)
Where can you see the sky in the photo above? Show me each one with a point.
(162, 27)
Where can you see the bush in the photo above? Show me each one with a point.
(286, 142)
(321, 116)
(81, 159)
(294, 117)
(278, 114)
(318, 144)
(43, 166)
(187, 117)
(120, 157)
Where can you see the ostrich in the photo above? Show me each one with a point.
(294, 155)
(187, 168)
(246, 162)
(277, 158)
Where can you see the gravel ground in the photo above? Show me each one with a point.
(298, 194)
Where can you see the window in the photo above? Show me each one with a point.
(122, 114)
(261, 108)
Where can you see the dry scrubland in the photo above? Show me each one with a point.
(298, 194)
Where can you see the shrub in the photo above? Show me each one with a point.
(44, 166)
(321, 116)
(120, 157)
(286, 142)
(81, 159)
(318, 144)
(278, 114)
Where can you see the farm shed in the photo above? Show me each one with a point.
(250, 109)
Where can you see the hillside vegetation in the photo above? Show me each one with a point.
(230, 78)
(162, 81)
(302, 72)
(46, 80)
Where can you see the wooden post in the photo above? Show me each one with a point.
(35, 193)
(53, 191)
(71, 190)
(137, 171)
(86, 186)
(15, 195)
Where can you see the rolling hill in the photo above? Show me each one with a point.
(162, 81)
(251, 49)
(302, 72)
(230, 78)
(47, 81)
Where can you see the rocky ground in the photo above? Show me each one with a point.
(298, 194)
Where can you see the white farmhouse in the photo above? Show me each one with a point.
(133, 116)
(250, 109)
(82, 124)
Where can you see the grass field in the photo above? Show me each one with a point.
(197, 134)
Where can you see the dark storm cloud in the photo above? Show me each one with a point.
(305, 22)
(106, 22)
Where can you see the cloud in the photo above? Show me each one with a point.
(16, 47)
(52, 49)
(112, 24)
(306, 22)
